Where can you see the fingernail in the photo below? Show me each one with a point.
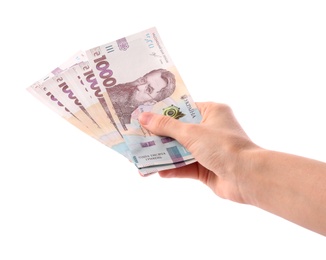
(145, 118)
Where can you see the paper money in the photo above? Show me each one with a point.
(137, 74)
(107, 87)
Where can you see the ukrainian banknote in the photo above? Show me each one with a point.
(102, 92)
(136, 74)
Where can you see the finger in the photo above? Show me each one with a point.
(161, 125)
(188, 171)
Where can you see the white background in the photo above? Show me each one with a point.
(65, 196)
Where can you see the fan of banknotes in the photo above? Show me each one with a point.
(103, 90)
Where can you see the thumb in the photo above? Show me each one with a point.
(161, 125)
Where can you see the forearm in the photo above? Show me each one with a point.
(289, 186)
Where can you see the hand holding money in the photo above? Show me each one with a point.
(103, 91)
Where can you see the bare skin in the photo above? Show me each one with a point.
(235, 168)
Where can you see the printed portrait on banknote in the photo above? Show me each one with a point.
(148, 89)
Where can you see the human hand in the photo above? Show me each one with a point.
(218, 143)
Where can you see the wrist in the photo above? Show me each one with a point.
(250, 174)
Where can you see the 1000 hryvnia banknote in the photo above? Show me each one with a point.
(105, 90)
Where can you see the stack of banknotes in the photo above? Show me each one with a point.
(103, 90)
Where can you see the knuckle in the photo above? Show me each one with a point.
(223, 108)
